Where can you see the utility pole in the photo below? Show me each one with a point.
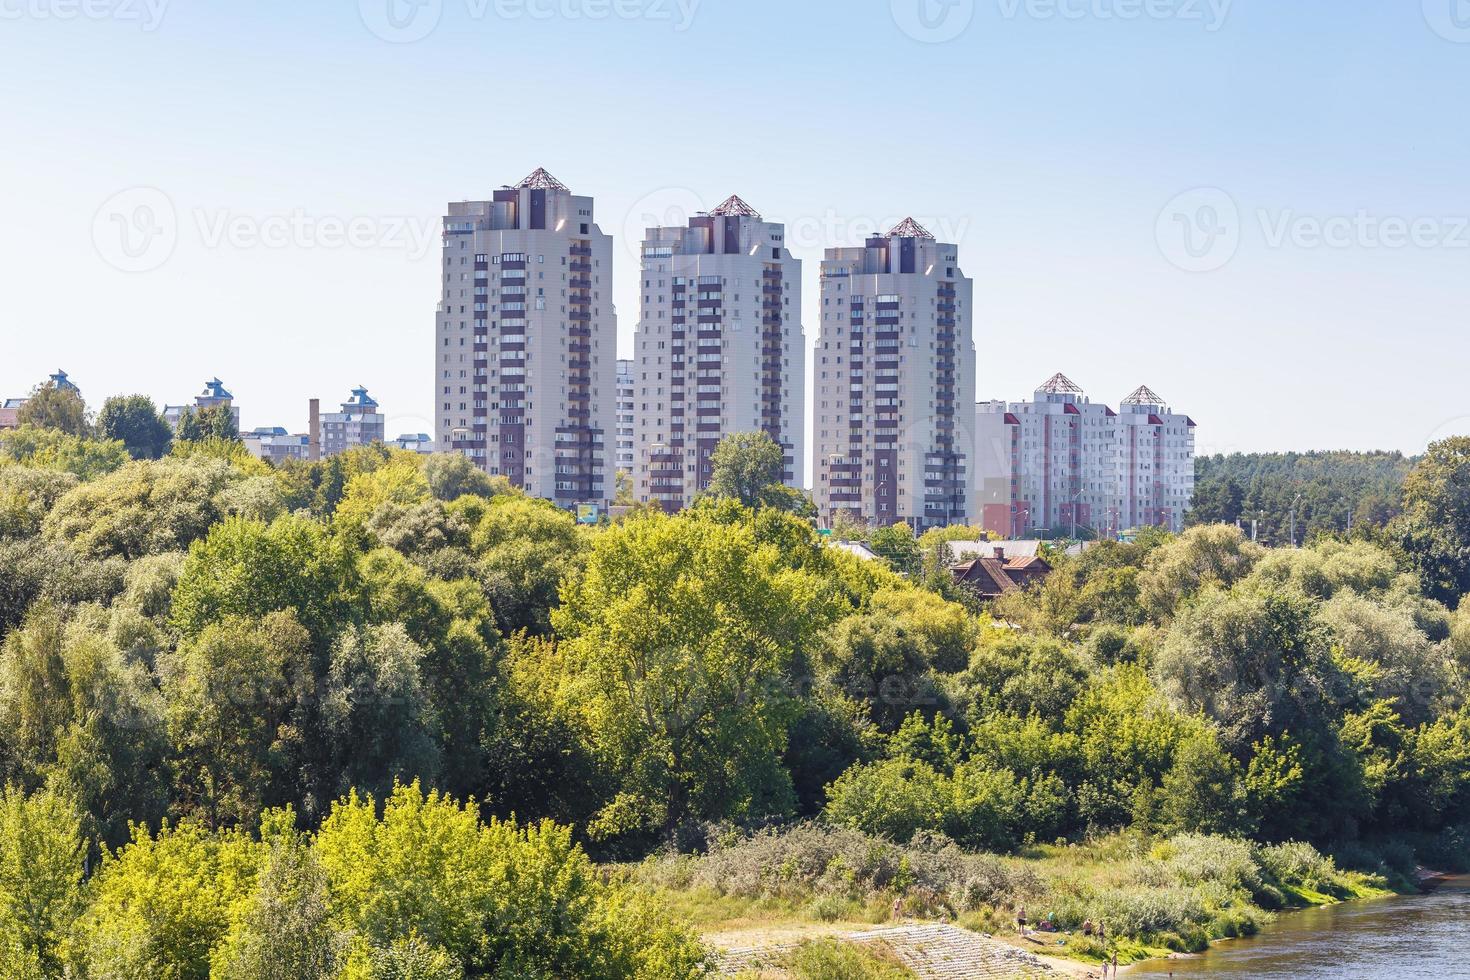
(1294, 504)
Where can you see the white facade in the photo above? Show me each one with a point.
(526, 341)
(627, 395)
(1061, 461)
(1156, 455)
(719, 349)
(895, 383)
(358, 424)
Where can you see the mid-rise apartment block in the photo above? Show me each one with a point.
(358, 424)
(1061, 462)
(895, 383)
(275, 445)
(719, 349)
(526, 340)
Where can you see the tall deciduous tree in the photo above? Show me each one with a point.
(135, 420)
(210, 422)
(1434, 529)
(53, 407)
(41, 853)
(680, 633)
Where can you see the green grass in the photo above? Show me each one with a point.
(828, 959)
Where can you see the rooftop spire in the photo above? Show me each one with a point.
(909, 228)
(734, 206)
(1144, 396)
(1060, 384)
(540, 180)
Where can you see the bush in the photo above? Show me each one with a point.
(814, 859)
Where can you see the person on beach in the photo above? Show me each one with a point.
(1021, 920)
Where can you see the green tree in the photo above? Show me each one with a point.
(79, 716)
(499, 899)
(52, 449)
(55, 407)
(1434, 529)
(743, 465)
(453, 475)
(238, 697)
(41, 853)
(284, 930)
(680, 633)
(375, 706)
(159, 906)
(210, 422)
(899, 546)
(524, 548)
(145, 508)
(135, 421)
(247, 568)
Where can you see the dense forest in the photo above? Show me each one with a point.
(1333, 492)
(383, 716)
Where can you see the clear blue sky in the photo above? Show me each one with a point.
(1052, 139)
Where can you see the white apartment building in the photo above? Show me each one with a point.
(719, 349)
(358, 424)
(895, 380)
(526, 341)
(1156, 450)
(627, 394)
(1061, 461)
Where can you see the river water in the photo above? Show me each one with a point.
(1415, 938)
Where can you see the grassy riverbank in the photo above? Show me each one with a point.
(1155, 897)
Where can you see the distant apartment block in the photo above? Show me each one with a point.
(358, 424)
(10, 407)
(214, 393)
(719, 349)
(895, 383)
(414, 442)
(1062, 461)
(10, 412)
(526, 341)
(1156, 450)
(275, 445)
(627, 394)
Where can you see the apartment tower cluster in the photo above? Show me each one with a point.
(530, 387)
(1062, 462)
